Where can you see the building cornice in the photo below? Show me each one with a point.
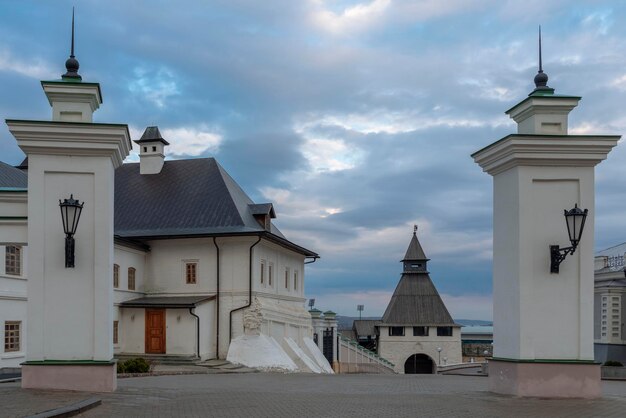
(544, 150)
(72, 138)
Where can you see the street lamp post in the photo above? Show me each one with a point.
(439, 351)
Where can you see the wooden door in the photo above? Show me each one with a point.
(155, 331)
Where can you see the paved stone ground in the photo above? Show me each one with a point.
(307, 395)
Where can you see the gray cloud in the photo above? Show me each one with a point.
(356, 129)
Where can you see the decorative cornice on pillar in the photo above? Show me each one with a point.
(72, 138)
(544, 150)
(542, 114)
(68, 96)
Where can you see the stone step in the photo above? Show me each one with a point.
(160, 358)
(223, 366)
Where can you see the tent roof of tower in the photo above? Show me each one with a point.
(415, 252)
(416, 302)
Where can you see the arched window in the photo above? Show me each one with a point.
(131, 278)
(116, 276)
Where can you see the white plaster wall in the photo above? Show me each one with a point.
(506, 265)
(164, 275)
(12, 308)
(127, 257)
(132, 331)
(53, 318)
(180, 334)
(398, 349)
(14, 228)
(538, 315)
(206, 312)
(281, 259)
(165, 272)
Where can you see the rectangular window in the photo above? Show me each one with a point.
(420, 331)
(191, 270)
(263, 272)
(116, 276)
(286, 278)
(12, 335)
(295, 281)
(444, 331)
(115, 331)
(396, 331)
(131, 278)
(13, 260)
(270, 274)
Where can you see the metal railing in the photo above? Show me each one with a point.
(354, 358)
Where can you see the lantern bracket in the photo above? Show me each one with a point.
(557, 255)
(575, 232)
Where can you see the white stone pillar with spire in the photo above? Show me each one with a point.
(70, 318)
(543, 321)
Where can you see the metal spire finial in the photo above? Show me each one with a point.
(541, 79)
(415, 229)
(540, 64)
(72, 63)
(72, 51)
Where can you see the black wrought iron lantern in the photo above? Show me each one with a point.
(575, 220)
(70, 215)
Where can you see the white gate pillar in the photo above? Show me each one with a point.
(543, 322)
(70, 317)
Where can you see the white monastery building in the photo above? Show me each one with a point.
(172, 258)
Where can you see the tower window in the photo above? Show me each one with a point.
(396, 331)
(295, 281)
(145, 149)
(444, 331)
(420, 331)
(286, 278)
(154, 149)
(263, 272)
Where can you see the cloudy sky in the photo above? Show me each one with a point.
(357, 119)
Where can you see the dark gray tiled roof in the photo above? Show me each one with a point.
(187, 198)
(416, 302)
(166, 302)
(415, 251)
(365, 327)
(12, 177)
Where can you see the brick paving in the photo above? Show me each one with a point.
(307, 395)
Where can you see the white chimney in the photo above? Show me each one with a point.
(151, 151)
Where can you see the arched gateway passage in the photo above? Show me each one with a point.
(419, 364)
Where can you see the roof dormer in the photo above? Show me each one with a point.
(263, 213)
(151, 151)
